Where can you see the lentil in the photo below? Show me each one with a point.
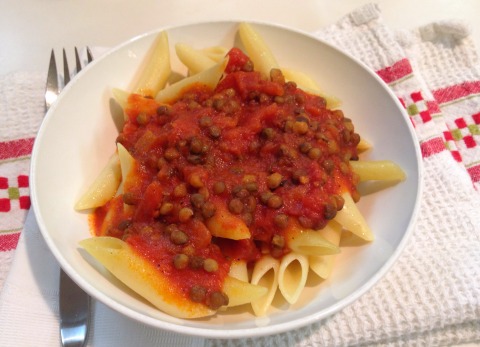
(305, 147)
(178, 237)
(274, 180)
(251, 187)
(268, 133)
(281, 221)
(210, 265)
(195, 180)
(235, 206)
(196, 262)
(208, 210)
(163, 110)
(339, 201)
(185, 214)
(142, 118)
(275, 202)
(330, 211)
(314, 153)
(171, 154)
(130, 198)
(166, 208)
(180, 261)
(217, 299)
(219, 187)
(300, 127)
(205, 121)
(214, 131)
(197, 200)
(180, 190)
(278, 241)
(124, 224)
(198, 293)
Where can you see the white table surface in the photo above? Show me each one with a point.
(29, 29)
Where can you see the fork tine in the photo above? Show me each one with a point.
(78, 64)
(51, 90)
(89, 55)
(66, 71)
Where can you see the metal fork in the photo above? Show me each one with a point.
(73, 301)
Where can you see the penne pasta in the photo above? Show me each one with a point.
(225, 224)
(265, 274)
(238, 270)
(195, 60)
(311, 242)
(322, 265)
(363, 145)
(306, 83)
(142, 277)
(292, 276)
(383, 170)
(216, 53)
(104, 187)
(156, 72)
(127, 164)
(257, 49)
(126, 160)
(208, 78)
(115, 210)
(241, 292)
(352, 219)
(121, 97)
(301, 79)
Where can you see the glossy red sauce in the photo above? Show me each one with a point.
(234, 138)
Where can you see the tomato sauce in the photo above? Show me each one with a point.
(268, 152)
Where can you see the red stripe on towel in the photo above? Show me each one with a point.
(16, 148)
(432, 146)
(457, 91)
(474, 173)
(395, 72)
(8, 241)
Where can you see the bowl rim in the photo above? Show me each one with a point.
(240, 332)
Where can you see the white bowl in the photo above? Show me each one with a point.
(78, 135)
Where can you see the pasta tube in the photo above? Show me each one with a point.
(126, 161)
(292, 276)
(363, 145)
(311, 242)
(226, 225)
(142, 277)
(265, 274)
(195, 60)
(216, 53)
(384, 170)
(157, 70)
(308, 84)
(208, 78)
(104, 187)
(352, 219)
(322, 265)
(241, 292)
(259, 52)
(127, 164)
(238, 270)
(121, 97)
